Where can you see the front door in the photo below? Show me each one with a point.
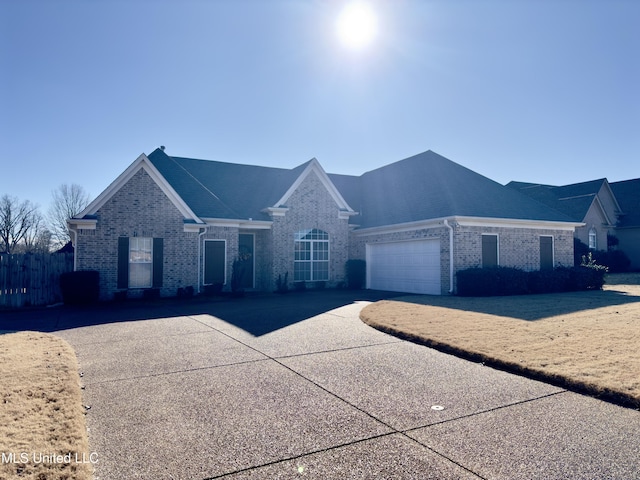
(246, 258)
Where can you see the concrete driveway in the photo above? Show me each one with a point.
(296, 386)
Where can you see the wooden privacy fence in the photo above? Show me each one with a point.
(32, 279)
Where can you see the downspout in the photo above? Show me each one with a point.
(204, 230)
(446, 224)
(73, 233)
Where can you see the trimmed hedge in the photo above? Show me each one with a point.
(81, 287)
(495, 281)
(489, 282)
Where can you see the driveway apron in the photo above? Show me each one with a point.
(251, 389)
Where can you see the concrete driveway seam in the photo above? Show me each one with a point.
(393, 431)
(442, 455)
(283, 357)
(314, 452)
(174, 372)
(403, 432)
(355, 442)
(482, 412)
(276, 360)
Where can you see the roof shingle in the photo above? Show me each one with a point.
(421, 187)
(573, 200)
(627, 193)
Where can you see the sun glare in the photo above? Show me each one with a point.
(357, 25)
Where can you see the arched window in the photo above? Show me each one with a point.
(593, 239)
(311, 260)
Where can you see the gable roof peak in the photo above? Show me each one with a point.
(143, 162)
(308, 167)
(312, 161)
(423, 157)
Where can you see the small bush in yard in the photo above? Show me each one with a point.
(589, 275)
(615, 260)
(585, 278)
(356, 271)
(80, 287)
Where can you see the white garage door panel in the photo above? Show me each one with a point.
(412, 267)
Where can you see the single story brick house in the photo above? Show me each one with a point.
(168, 223)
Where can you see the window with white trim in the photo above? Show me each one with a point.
(140, 262)
(593, 239)
(311, 259)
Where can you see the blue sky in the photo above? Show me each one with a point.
(541, 91)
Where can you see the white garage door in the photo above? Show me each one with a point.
(411, 267)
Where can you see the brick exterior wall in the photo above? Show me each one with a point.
(518, 247)
(310, 206)
(141, 209)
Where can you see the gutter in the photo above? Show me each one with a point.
(202, 232)
(446, 224)
(74, 242)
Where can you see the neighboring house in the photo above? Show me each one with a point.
(592, 203)
(628, 228)
(171, 222)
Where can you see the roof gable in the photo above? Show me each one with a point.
(597, 208)
(141, 163)
(313, 167)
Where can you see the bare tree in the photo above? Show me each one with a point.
(16, 220)
(38, 237)
(68, 200)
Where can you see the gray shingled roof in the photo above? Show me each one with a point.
(573, 200)
(418, 188)
(225, 190)
(627, 193)
(592, 187)
(429, 185)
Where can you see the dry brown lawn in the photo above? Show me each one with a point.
(42, 426)
(586, 341)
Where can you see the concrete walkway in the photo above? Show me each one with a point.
(296, 386)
